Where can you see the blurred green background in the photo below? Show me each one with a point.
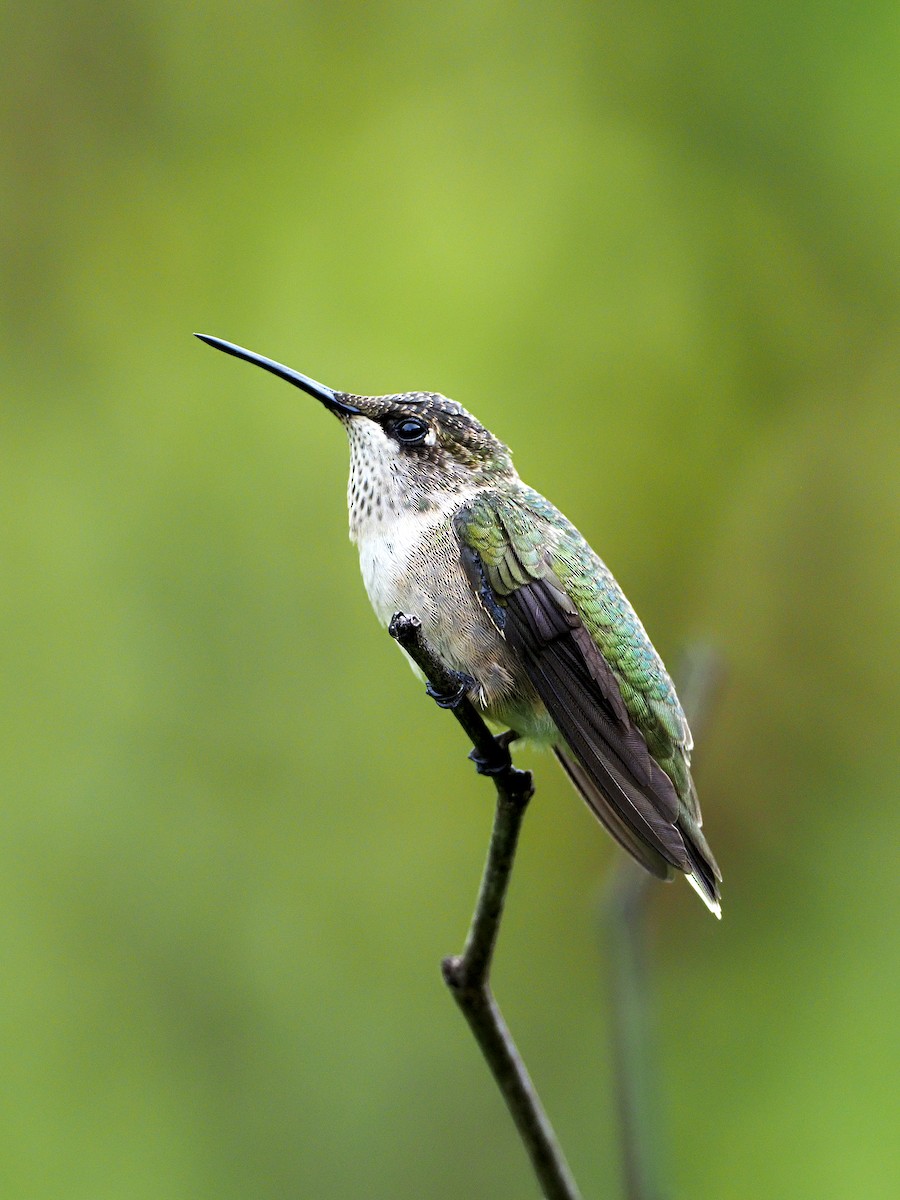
(656, 249)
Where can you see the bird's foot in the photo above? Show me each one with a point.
(499, 761)
(454, 696)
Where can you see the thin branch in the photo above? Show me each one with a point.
(635, 1068)
(467, 974)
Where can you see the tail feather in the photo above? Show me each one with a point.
(704, 873)
(701, 870)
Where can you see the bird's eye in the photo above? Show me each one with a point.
(410, 431)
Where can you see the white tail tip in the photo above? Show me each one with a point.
(713, 905)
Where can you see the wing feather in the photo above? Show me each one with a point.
(611, 750)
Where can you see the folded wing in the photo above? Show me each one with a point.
(605, 755)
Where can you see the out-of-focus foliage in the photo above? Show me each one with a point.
(657, 249)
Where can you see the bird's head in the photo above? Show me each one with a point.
(407, 449)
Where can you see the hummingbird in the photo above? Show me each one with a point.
(512, 598)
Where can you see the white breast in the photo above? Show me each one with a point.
(390, 557)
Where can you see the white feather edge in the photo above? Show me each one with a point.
(713, 905)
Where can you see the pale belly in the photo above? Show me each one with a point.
(412, 565)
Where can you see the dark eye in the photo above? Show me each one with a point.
(410, 431)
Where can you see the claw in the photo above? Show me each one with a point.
(498, 762)
(454, 698)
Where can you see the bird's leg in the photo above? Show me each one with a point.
(454, 695)
(457, 686)
(498, 762)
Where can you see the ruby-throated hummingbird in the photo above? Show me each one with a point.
(512, 597)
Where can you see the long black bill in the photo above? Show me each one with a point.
(331, 399)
